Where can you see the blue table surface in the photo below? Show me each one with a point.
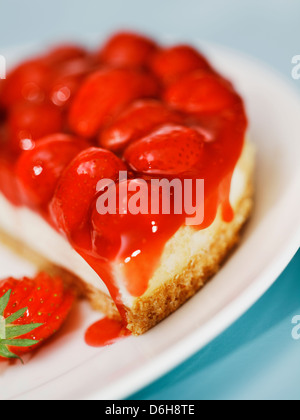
(256, 358)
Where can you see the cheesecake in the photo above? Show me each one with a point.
(93, 144)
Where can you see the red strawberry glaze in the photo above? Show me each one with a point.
(105, 332)
(135, 240)
(178, 120)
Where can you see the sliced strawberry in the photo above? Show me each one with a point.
(28, 122)
(67, 80)
(127, 49)
(104, 94)
(33, 310)
(170, 150)
(199, 92)
(172, 63)
(63, 53)
(139, 119)
(29, 81)
(39, 170)
(64, 89)
(78, 187)
(8, 182)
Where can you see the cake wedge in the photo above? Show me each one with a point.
(165, 116)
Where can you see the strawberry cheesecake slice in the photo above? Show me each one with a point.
(128, 168)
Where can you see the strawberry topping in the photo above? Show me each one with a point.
(28, 81)
(137, 120)
(199, 92)
(28, 122)
(156, 112)
(104, 94)
(127, 49)
(170, 64)
(40, 169)
(78, 187)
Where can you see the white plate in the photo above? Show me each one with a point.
(68, 369)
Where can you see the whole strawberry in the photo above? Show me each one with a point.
(31, 310)
(169, 150)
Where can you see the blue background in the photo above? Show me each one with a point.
(256, 358)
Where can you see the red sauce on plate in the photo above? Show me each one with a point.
(105, 332)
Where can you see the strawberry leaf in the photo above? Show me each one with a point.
(4, 301)
(18, 343)
(4, 352)
(10, 333)
(15, 316)
(13, 331)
